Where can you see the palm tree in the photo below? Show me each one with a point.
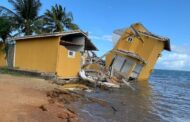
(58, 19)
(5, 32)
(24, 16)
(5, 28)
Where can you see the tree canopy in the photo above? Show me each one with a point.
(24, 15)
(58, 19)
(5, 28)
(26, 20)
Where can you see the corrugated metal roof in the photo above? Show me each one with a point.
(50, 35)
(90, 45)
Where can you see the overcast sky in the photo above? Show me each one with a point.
(170, 18)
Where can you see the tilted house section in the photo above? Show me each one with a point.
(58, 53)
(136, 52)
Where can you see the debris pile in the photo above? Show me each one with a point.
(95, 72)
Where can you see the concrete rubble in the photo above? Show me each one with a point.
(95, 72)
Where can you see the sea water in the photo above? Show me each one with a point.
(164, 98)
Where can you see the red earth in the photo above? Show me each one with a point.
(24, 99)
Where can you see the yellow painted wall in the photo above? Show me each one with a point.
(39, 54)
(123, 44)
(68, 67)
(153, 57)
(3, 61)
(149, 50)
(145, 49)
(109, 58)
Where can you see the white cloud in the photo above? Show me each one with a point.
(178, 59)
(175, 60)
(181, 48)
(102, 37)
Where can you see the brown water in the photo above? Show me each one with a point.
(166, 98)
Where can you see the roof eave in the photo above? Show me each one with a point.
(167, 45)
(135, 57)
(163, 39)
(51, 35)
(92, 46)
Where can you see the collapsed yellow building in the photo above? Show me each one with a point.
(57, 53)
(134, 55)
(135, 52)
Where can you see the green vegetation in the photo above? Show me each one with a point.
(5, 28)
(5, 31)
(58, 19)
(5, 70)
(24, 16)
(24, 19)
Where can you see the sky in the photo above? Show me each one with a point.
(100, 18)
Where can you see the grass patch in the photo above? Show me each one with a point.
(5, 70)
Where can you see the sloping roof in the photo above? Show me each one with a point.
(144, 31)
(164, 39)
(130, 54)
(89, 45)
(119, 31)
(148, 33)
